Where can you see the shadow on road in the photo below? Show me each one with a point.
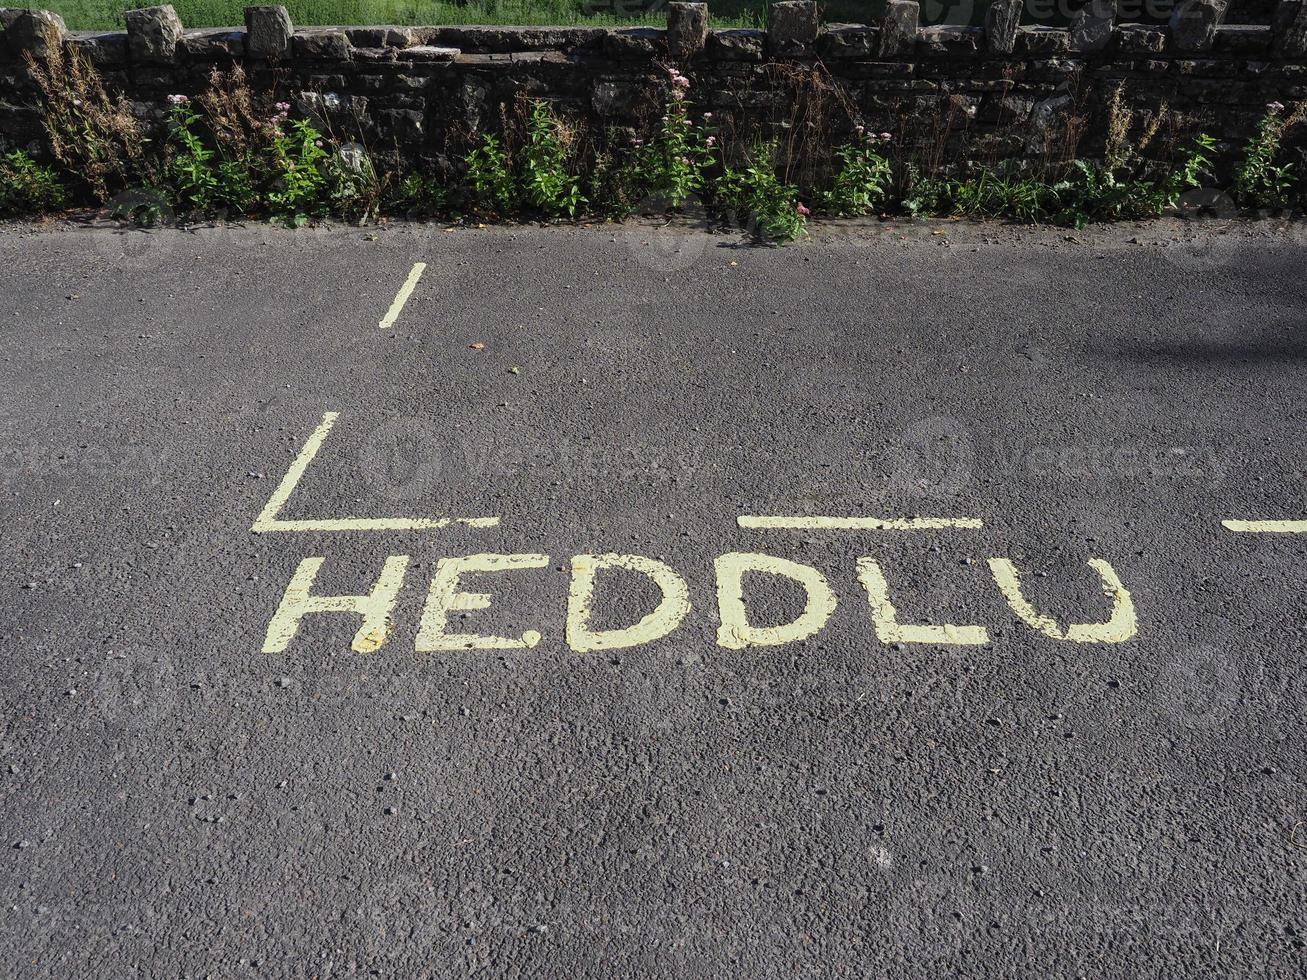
(1205, 351)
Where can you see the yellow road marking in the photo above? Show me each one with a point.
(405, 291)
(445, 598)
(671, 609)
(886, 618)
(1267, 527)
(268, 520)
(375, 607)
(736, 632)
(1122, 625)
(858, 523)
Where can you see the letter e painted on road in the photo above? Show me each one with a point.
(673, 606)
(735, 631)
(374, 607)
(445, 598)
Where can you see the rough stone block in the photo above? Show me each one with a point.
(635, 43)
(268, 31)
(379, 37)
(1289, 28)
(152, 35)
(1194, 24)
(502, 40)
(610, 98)
(1243, 39)
(792, 27)
(740, 44)
(428, 52)
(950, 40)
(1140, 39)
(1043, 40)
(101, 50)
(1001, 22)
(847, 41)
(898, 29)
(322, 46)
(1091, 28)
(34, 31)
(218, 44)
(687, 29)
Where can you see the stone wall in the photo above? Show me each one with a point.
(948, 93)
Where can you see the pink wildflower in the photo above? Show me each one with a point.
(802, 211)
(178, 99)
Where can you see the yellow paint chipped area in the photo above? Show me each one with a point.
(1121, 626)
(375, 607)
(671, 609)
(405, 291)
(269, 521)
(886, 620)
(858, 523)
(445, 598)
(735, 631)
(1267, 527)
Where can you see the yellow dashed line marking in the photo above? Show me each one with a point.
(405, 291)
(858, 523)
(268, 520)
(1267, 527)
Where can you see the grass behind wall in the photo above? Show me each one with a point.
(107, 14)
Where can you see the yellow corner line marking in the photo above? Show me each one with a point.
(1267, 527)
(405, 291)
(858, 523)
(268, 521)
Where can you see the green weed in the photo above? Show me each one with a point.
(26, 187)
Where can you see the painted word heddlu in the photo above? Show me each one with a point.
(465, 584)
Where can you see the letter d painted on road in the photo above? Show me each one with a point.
(736, 633)
(673, 606)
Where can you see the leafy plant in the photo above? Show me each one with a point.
(546, 182)
(1197, 162)
(757, 195)
(416, 195)
(298, 181)
(194, 179)
(1091, 192)
(925, 195)
(671, 165)
(490, 178)
(353, 189)
(998, 194)
(1260, 182)
(26, 187)
(862, 177)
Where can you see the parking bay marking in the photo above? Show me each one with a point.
(269, 521)
(405, 291)
(1266, 527)
(857, 523)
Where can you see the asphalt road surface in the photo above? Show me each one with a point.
(992, 690)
